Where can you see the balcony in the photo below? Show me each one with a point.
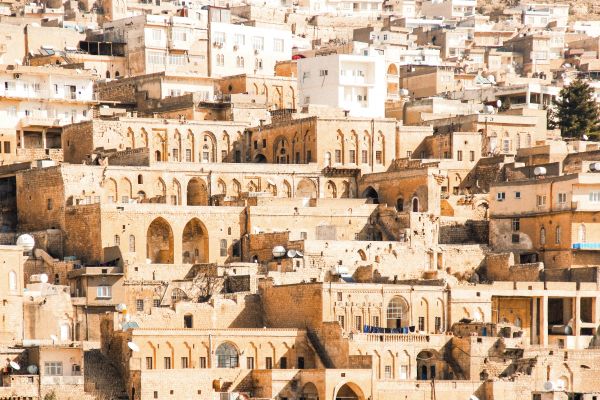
(586, 246)
(40, 120)
(390, 337)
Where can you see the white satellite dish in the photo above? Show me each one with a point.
(492, 79)
(299, 253)
(121, 307)
(133, 346)
(32, 369)
(14, 365)
(291, 253)
(585, 137)
(44, 278)
(498, 103)
(27, 242)
(537, 171)
(473, 397)
(549, 386)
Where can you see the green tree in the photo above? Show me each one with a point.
(576, 111)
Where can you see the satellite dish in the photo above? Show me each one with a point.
(498, 103)
(473, 397)
(44, 278)
(291, 253)
(27, 242)
(121, 307)
(54, 338)
(32, 369)
(14, 365)
(279, 251)
(539, 171)
(585, 137)
(548, 386)
(133, 346)
(299, 253)
(492, 79)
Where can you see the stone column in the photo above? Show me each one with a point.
(544, 321)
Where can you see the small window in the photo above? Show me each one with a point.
(131, 243)
(139, 305)
(223, 247)
(49, 204)
(103, 292)
(541, 200)
(149, 364)
(517, 195)
(516, 224)
(268, 363)
(167, 362)
(283, 363)
(422, 324)
(562, 198)
(188, 321)
(156, 303)
(7, 147)
(459, 155)
(516, 238)
(358, 323)
(388, 372)
(500, 196)
(339, 296)
(472, 155)
(202, 362)
(250, 362)
(184, 362)
(117, 240)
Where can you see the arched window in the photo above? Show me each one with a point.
(227, 356)
(107, 74)
(557, 238)
(140, 179)
(415, 204)
(12, 280)
(581, 233)
(400, 204)
(397, 313)
(131, 243)
(177, 295)
(542, 236)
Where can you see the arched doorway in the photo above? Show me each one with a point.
(349, 391)
(260, 159)
(371, 194)
(194, 243)
(429, 365)
(415, 204)
(197, 194)
(397, 313)
(400, 204)
(306, 188)
(309, 392)
(159, 242)
(227, 356)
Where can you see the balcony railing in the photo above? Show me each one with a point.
(390, 337)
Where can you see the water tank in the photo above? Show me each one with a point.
(538, 171)
(27, 242)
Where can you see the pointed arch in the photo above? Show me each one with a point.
(159, 242)
(194, 242)
(125, 190)
(197, 192)
(225, 147)
(221, 187)
(287, 189)
(176, 192)
(236, 188)
(331, 190)
(110, 190)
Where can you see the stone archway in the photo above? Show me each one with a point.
(310, 392)
(194, 242)
(371, 194)
(197, 193)
(306, 188)
(349, 391)
(159, 242)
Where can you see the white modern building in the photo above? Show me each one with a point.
(157, 43)
(239, 49)
(356, 83)
(35, 102)
(538, 15)
(448, 9)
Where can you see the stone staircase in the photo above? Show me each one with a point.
(102, 380)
